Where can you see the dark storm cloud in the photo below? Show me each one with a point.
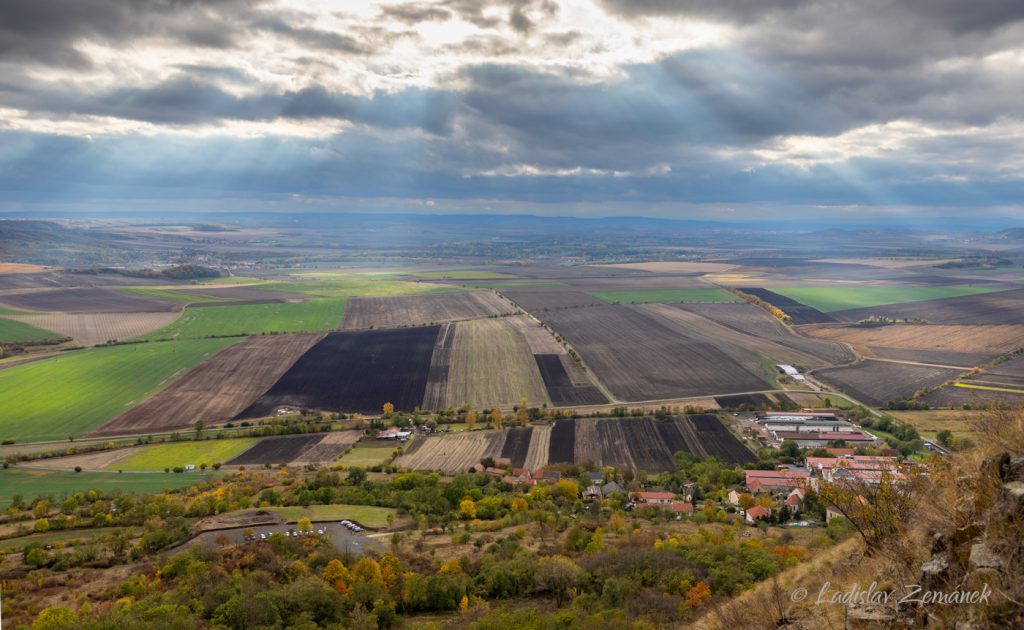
(47, 31)
(312, 37)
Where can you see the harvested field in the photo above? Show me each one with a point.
(420, 310)
(436, 395)
(217, 389)
(539, 300)
(491, 365)
(540, 443)
(331, 447)
(86, 300)
(667, 296)
(974, 341)
(12, 268)
(878, 382)
(670, 266)
(956, 397)
(562, 391)
(646, 444)
(517, 445)
(690, 285)
(938, 357)
(757, 323)
(640, 355)
(540, 340)
(800, 313)
(455, 452)
(1002, 307)
(87, 461)
(355, 371)
(276, 450)
(90, 329)
(757, 401)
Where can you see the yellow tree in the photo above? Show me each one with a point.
(467, 508)
(367, 570)
(389, 408)
(305, 525)
(523, 413)
(496, 418)
(470, 419)
(337, 576)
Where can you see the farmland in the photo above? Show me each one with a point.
(331, 447)
(74, 393)
(33, 483)
(276, 450)
(85, 300)
(799, 312)
(315, 315)
(491, 365)
(436, 394)
(218, 389)
(355, 371)
(831, 298)
(462, 274)
(641, 356)
(939, 343)
(12, 331)
(878, 382)
(173, 294)
(180, 454)
(537, 300)
(1002, 307)
(453, 453)
(420, 310)
(560, 388)
(667, 296)
(369, 454)
(90, 329)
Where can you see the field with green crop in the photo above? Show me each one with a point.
(18, 332)
(171, 294)
(829, 299)
(667, 296)
(368, 455)
(313, 315)
(75, 393)
(33, 483)
(172, 454)
(462, 274)
(370, 516)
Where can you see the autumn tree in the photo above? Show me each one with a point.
(698, 595)
(746, 500)
(560, 576)
(878, 511)
(470, 419)
(389, 409)
(467, 508)
(337, 576)
(305, 525)
(496, 418)
(523, 413)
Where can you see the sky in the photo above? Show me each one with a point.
(678, 108)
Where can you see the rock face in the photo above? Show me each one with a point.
(988, 553)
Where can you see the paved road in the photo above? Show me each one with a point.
(342, 538)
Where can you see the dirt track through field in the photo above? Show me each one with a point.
(217, 389)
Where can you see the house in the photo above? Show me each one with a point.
(656, 498)
(795, 501)
(595, 476)
(593, 492)
(776, 480)
(757, 512)
(680, 507)
(394, 433)
(734, 497)
(611, 488)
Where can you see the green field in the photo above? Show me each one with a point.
(75, 393)
(368, 515)
(169, 455)
(667, 296)
(49, 538)
(253, 319)
(368, 455)
(172, 294)
(829, 299)
(463, 274)
(12, 331)
(33, 483)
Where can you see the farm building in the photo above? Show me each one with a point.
(791, 372)
(757, 512)
(776, 480)
(815, 439)
(657, 497)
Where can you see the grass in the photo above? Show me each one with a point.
(75, 393)
(368, 515)
(464, 274)
(928, 423)
(12, 331)
(829, 299)
(313, 315)
(365, 456)
(667, 296)
(989, 388)
(34, 483)
(11, 311)
(195, 452)
(172, 294)
(49, 538)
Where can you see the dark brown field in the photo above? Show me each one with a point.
(800, 313)
(646, 444)
(218, 389)
(640, 355)
(355, 371)
(277, 450)
(878, 382)
(421, 310)
(86, 300)
(543, 299)
(331, 447)
(562, 391)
